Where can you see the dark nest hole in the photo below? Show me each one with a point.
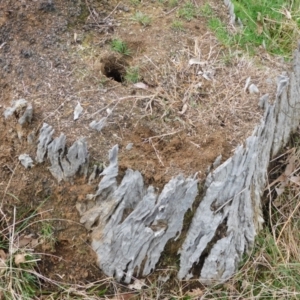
(114, 68)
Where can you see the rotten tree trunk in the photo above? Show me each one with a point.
(131, 223)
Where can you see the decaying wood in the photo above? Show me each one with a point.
(131, 223)
(64, 166)
(229, 216)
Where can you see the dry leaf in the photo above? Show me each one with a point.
(209, 74)
(24, 241)
(279, 191)
(98, 125)
(295, 179)
(3, 254)
(287, 14)
(184, 108)
(77, 111)
(253, 89)
(196, 61)
(137, 285)
(3, 266)
(20, 258)
(195, 293)
(141, 85)
(259, 28)
(247, 84)
(290, 168)
(34, 243)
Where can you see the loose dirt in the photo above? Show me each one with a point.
(57, 53)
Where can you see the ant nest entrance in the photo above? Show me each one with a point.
(114, 67)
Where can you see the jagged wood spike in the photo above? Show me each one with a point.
(131, 224)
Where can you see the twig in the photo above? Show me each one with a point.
(167, 13)
(149, 140)
(11, 247)
(156, 152)
(228, 201)
(150, 60)
(196, 145)
(162, 135)
(8, 184)
(50, 114)
(270, 218)
(149, 104)
(91, 13)
(118, 100)
(112, 12)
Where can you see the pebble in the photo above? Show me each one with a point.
(129, 146)
(124, 8)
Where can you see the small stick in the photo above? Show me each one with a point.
(156, 152)
(111, 12)
(228, 201)
(196, 145)
(159, 136)
(9, 182)
(120, 99)
(167, 13)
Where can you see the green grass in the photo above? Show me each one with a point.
(22, 275)
(18, 276)
(267, 23)
(217, 26)
(47, 235)
(206, 10)
(265, 274)
(177, 25)
(272, 24)
(188, 11)
(132, 75)
(142, 18)
(135, 2)
(173, 3)
(120, 47)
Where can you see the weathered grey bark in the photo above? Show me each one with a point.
(64, 166)
(133, 224)
(229, 216)
(44, 140)
(22, 107)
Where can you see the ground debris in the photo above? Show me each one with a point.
(98, 125)
(26, 161)
(64, 165)
(22, 109)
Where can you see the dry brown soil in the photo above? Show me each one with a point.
(56, 53)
